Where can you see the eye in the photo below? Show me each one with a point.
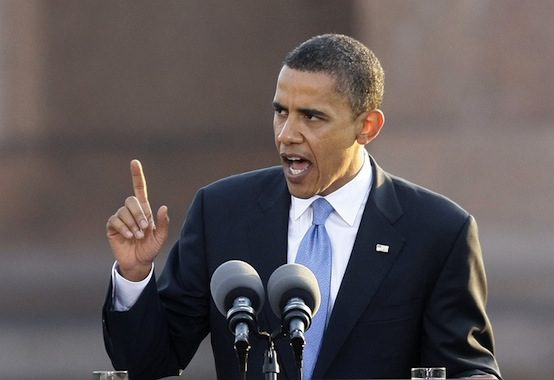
(311, 116)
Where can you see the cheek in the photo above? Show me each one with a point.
(332, 161)
(326, 163)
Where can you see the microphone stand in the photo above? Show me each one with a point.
(271, 366)
(241, 319)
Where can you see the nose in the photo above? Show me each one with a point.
(288, 132)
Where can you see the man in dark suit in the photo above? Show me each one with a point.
(407, 285)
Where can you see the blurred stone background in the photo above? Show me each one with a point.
(186, 86)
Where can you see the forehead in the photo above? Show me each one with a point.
(307, 86)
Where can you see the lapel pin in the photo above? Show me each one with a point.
(382, 248)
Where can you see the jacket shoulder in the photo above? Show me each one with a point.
(245, 185)
(246, 179)
(427, 207)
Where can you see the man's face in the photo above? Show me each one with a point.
(315, 133)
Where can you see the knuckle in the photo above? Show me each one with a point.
(109, 223)
(113, 224)
(113, 221)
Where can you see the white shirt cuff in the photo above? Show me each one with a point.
(124, 292)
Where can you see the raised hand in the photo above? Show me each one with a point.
(133, 235)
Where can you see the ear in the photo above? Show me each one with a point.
(372, 121)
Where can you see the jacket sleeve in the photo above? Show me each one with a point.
(160, 334)
(456, 330)
(137, 340)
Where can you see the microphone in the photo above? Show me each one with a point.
(294, 296)
(238, 294)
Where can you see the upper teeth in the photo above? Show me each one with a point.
(294, 158)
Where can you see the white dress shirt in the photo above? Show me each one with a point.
(124, 292)
(342, 226)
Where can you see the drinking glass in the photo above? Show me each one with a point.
(110, 375)
(435, 373)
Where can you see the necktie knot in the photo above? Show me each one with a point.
(321, 209)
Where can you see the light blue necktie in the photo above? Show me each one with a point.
(314, 252)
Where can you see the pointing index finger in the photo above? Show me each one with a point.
(140, 189)
(139, 182)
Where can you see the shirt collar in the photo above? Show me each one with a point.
(346, 200)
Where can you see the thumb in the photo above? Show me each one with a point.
(162, 221)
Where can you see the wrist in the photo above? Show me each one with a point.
(136, 273)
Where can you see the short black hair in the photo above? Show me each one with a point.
(356, 69)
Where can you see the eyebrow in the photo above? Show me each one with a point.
(278, 106)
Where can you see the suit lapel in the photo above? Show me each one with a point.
(268, 230)
(268, 250)
(367, 268)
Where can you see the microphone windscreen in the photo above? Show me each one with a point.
(293, 280)
(234, 279)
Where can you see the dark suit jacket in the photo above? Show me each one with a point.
(420, 304)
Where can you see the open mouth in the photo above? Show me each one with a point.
(296, 165)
